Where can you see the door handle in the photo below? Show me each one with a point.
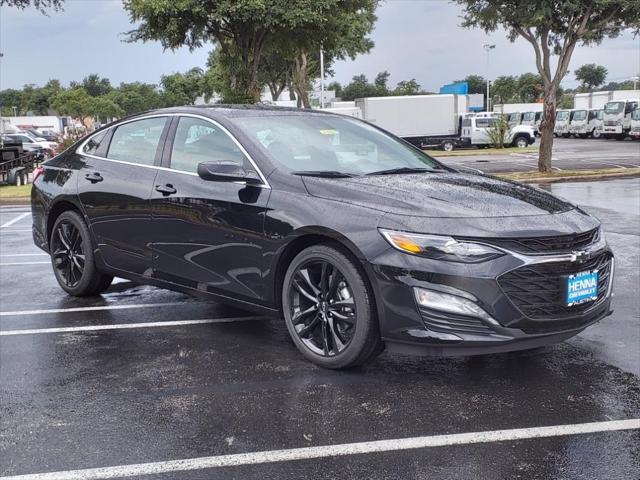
(166, 190)
(94, 177)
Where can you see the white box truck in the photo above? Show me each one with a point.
(617, 114)
(597, 100)
(423, 120)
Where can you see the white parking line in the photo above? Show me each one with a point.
(7, 264)
(38, 254)
(15, 220)
(273, 456)
(90, 309)
(15, 230)
(123, 326)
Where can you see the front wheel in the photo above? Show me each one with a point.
(521, 142)
(595, 133)
(72, 257)
(329, 309)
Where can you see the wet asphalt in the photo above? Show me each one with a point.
(568, 154)
(118, 397)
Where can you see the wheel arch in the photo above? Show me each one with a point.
(316, 236)
(57, 209)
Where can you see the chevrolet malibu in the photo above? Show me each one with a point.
(356, 239)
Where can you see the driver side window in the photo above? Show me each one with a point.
(197, 140)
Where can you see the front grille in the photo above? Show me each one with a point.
(537, 290)
(554, 244)
(610, 123)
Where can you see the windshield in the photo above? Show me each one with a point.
(635, 115)
(614, 107)
(562, 115)
(600, 114)
(579, 114)
(328, 143)
(527, 117)
(514, 117)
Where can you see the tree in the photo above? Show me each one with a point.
(530, 87)
(40, 5)
(182, 88)
(96, 86)
(103, 108)
(242, 29)
(381, 80)
(136, 97)
(359, 87)
(74, 102)
(504, 89)
(336, 87)
(553, 28)
(591, 76)
(408, 87)
(477, 83)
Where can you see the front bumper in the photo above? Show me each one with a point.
(409, 328)
(612, 129)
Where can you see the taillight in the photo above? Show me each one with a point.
(37, 172)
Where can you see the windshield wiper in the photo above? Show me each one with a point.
(323, 173)
(392, 171)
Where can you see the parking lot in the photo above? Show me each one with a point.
(568, 154)
(143, 382)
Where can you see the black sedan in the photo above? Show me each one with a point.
(357, 239)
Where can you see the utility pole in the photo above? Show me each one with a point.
(488, 47)
(321, 78)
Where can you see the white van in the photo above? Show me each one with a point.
(475, 131)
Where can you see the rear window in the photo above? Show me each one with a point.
(137, 142)
(94, 143)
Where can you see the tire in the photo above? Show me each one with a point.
(447, 146)
(595, 133)
(328, 335)
(72, 257)
(520, 142)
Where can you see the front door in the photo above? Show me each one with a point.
(208, 235)
(115, 186)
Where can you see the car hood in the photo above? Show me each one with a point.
(439, 194)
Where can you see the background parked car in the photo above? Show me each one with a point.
(50, 148)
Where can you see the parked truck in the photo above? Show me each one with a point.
(563, 120)
(533, 119)
(584, 123)
(597, 100)
(617, 117)
(635, 124)
(423, 120)
(477, 131)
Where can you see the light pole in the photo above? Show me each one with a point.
(321, 78)
(488, 47)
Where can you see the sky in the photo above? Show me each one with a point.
(418, 39)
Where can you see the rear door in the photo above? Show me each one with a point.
(208, 235)
(115, 186)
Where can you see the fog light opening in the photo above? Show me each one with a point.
(445, 302)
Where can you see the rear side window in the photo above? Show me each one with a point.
(137, 142)
(198, 140)
(94, 143)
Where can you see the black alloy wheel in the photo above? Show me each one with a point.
(323, 310)
(68, 253)
(329, 309)
(72, 257)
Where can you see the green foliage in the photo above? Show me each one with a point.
(245, 30)
(530, 87)
(74, 102)
(360, 88)
(182, 88)
(408, 87)
(96, 86)
(40, 5)
(497, 132)
(591, 76)
(477, 83)
(504, 89)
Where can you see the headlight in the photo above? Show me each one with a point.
(440, 247)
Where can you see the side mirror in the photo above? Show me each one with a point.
(226, 171)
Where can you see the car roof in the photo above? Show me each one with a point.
(222, 111)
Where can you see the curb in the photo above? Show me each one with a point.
(628, 172)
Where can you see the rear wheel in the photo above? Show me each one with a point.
(72, 257)
(447, 146)
(329, 310)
